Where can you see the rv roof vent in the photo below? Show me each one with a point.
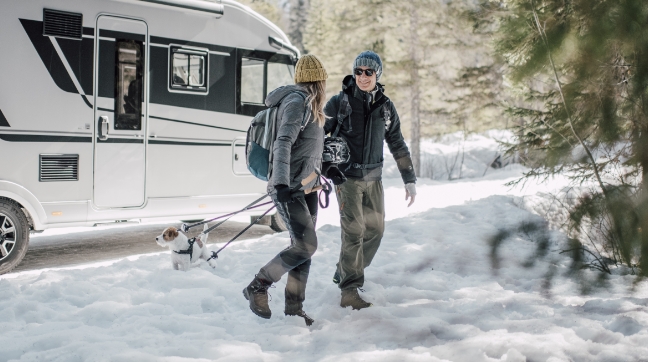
(62, 24)
(59, 168)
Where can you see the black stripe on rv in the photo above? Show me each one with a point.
(184, 122)
(3, 120)
(79, 54)
(174, 143)
(42, 138)
(167, 41)
(223, 87)
(74, 139)
(119, 140)
(48, 55)
(196, 124)
(121, 35)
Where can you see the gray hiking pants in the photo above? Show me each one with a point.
(362, 217)
(300, 217)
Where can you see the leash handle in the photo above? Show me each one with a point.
(326, 190)
(215, 253)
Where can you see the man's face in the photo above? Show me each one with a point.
(365, 82)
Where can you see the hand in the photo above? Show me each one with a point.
(410, 191)
(283, 193)
(330, 171)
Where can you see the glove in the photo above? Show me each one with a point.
(410, 191)
(331, 172)
(283, 193)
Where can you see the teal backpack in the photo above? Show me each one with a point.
(261, 136)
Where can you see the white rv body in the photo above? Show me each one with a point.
(79, 148)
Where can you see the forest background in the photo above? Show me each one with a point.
(440, 68)
(568, 77)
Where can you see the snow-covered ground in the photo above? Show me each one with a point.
(435, 297)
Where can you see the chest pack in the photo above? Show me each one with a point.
(261, 136)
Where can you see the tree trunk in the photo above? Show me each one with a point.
(297, 23)
(642, 208)
(414, 89)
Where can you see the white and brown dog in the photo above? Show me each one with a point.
(185, 252)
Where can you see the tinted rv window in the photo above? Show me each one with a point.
(252, 80)
(129, 65)
(188, 70)
(279, 74)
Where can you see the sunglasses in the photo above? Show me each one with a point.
(367, 72)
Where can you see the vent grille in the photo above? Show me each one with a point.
(62, 24)
(59, 168)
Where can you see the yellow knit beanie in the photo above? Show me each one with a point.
(309, 69)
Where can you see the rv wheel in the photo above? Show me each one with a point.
(14, 235)
(277, 224)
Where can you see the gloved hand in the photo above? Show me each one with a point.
(410, 191)
(283, 193)
(333, 173)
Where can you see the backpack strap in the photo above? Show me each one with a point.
(344, 110)
(308, 112)
(386, 113)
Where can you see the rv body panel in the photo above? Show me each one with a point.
(186, 158)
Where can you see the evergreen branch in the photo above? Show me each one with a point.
(601, 267)
(543, 35)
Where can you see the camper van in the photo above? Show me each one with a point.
(115, 110)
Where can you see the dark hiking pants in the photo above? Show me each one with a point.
(300, 217)
(362, 218)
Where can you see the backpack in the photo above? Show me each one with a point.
(260, 139)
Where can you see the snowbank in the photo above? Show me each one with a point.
(454, 156)
(434, 293)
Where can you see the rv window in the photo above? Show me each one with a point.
(279, 74)
(188, 70)
(252, 79)
(128, 84)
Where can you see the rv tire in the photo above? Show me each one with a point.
(14, 235)
(277, 224)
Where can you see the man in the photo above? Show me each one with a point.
(365, 117)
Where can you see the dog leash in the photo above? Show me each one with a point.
(215, 253)
(184, 227)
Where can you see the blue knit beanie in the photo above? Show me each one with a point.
(368, 59)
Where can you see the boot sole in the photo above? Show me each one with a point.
(247, 297)
(349, 305)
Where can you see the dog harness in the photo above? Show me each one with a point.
(188, 251)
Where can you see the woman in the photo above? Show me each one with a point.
(297, 154)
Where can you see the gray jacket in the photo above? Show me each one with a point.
(296, 153)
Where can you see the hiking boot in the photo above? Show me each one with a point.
(350, 297)
(257, 294)
(296, 310)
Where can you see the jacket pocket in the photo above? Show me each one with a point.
(296, 171)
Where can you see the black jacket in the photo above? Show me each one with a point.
(365, 125)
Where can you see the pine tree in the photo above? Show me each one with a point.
(438, 66)
(297, 19)
(582, 69)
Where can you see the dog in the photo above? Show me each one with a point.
(180, 247)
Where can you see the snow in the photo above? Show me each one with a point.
(435, 296)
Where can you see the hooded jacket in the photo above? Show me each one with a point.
(365, 128)
(297, 153)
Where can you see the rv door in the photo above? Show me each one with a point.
(121, 112)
